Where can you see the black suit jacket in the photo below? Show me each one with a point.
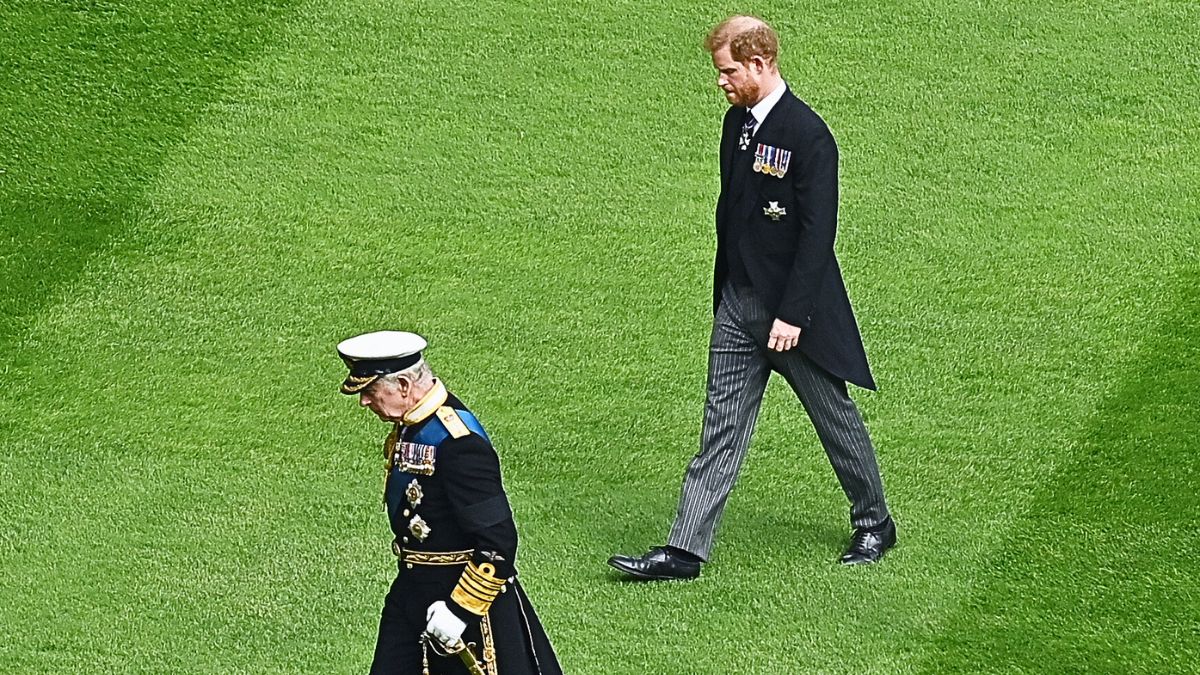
(790, 261)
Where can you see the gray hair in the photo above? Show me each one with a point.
(418, 373)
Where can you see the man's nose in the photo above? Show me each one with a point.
(364, 400)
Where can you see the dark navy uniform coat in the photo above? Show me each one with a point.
(444, 495)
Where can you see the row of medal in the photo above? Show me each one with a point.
(771, 160)
(411, 458)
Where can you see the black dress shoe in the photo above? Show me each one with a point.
(868, 546)
(659, 563)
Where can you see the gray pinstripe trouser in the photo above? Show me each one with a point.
(739, 365)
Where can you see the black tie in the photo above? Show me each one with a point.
(748, 125)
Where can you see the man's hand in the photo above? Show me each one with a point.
(784, 336)
(443, 625)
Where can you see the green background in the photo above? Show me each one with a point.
(199, 199)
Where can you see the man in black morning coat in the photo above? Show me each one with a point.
(779, 304)
(456, 542)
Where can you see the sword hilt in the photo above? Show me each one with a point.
(462, 649)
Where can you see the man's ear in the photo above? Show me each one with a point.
(403, 385)
(758, 64)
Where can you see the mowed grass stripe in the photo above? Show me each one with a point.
(1097, 576)
(166, 318)
(1041, 228)
(513, 206)
(1003, 283)
(93, 95)
(106, 88)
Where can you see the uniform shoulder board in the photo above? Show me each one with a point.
(452, 422)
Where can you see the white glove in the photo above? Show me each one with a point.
(443, 624)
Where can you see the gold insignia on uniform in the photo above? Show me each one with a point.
(389, 448)
(390, 457)
(428, 403)
(489, 646)
(477, 588)
(419, 528)
(452, 422)
(432, 558)
(354, 384)
(414, 493)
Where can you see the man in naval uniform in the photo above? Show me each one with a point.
(456, 542)
(779, 305)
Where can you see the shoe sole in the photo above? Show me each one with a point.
(852, 563)
(642, 576)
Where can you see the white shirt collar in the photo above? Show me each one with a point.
(763, 107)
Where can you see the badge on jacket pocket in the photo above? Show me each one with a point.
(774, 211)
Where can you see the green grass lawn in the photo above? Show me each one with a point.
(199, 199)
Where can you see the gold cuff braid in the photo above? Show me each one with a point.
(477, 588)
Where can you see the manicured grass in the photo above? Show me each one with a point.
(199, 199)
(1097, 573)
(92, 95)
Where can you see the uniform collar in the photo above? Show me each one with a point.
(763, 107)
(429, 403)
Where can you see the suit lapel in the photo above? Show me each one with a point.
(740, 184)
(770, 132)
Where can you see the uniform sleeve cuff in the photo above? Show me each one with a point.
(477, 588)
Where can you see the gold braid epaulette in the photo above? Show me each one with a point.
(477, 588)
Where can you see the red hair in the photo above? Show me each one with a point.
(747, 37)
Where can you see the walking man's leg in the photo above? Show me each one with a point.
(737, 375)
(847, 443)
